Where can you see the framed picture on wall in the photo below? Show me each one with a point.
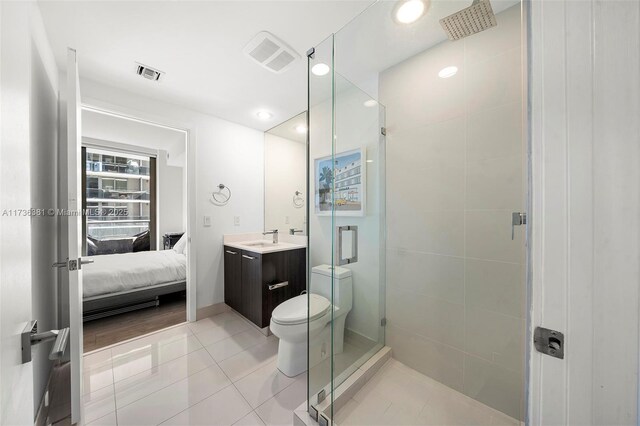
(344, 174)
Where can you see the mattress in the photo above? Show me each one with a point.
(112, 273)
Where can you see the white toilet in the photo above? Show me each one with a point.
(289, 320)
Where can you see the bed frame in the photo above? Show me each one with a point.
(106, 305)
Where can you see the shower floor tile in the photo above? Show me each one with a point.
(399, 395)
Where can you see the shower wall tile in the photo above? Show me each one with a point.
(495, 286)
(495, 337)
(414, 84)
(494, 183)
(455, 295)
(494, 132)
(496, 40)
(493, 385)
(495, 81)
(439, 232)
(488, 236)
(428, 317)
(440, 362)
(427, 166)
(433, 275)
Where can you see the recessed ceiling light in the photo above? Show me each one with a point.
(409, 11)
(370, 103)
(301, 128)
(264, 115)
(447, 72)
(320, 69)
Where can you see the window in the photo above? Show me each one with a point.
(119, 202)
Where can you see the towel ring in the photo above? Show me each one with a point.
(298, 201)
(214, 195)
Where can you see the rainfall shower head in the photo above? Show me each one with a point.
(475, 18)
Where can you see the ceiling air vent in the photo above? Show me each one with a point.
(148, 72)
(271, 52)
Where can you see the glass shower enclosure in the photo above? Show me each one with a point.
(417, 167)
(346, 173)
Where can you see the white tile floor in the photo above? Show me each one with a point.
(217, 371)
(399, 395)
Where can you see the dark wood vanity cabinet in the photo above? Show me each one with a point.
(233, 277)
(254, 283)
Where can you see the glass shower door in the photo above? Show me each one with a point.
(320, 171)
(346, 174)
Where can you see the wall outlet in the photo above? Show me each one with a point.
(207, 221)
(236, 220)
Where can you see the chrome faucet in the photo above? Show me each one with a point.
(292, 231)
(275, 235)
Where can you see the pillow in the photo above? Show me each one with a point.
(142, 241)
(181, 245)
(92, 247)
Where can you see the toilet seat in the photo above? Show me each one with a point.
(294, 311)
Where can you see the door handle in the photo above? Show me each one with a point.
(340, 259)
(248, 257)
(63, 264)
(231, 252)
(30, 337)
(72, 264)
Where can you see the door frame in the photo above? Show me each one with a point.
(189, 131)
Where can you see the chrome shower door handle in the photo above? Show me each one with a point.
(353, 257)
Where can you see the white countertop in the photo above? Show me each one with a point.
(264, 246)
(257, 243)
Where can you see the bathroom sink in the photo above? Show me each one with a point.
(261, 244)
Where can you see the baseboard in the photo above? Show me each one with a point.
(211, 310)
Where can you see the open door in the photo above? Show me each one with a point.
(74, 232)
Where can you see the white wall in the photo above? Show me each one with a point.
(28, 108)
(44, 172)
(284, 174)
(455, 161)
(585, 96)
(225, 153)
(171, 189)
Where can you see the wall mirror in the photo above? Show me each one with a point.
(285, 189)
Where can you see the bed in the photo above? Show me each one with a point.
(118, 283)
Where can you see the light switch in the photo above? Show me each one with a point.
(236, 220)
(286, 220)
(207, 221)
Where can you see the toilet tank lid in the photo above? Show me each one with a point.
(338, 272)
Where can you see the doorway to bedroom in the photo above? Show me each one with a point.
(134, 186)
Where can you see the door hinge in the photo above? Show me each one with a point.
(383, 322)
(383, 131)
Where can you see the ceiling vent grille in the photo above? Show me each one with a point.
(271, 52)
(148, 72)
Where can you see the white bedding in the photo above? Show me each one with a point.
(111, 273)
